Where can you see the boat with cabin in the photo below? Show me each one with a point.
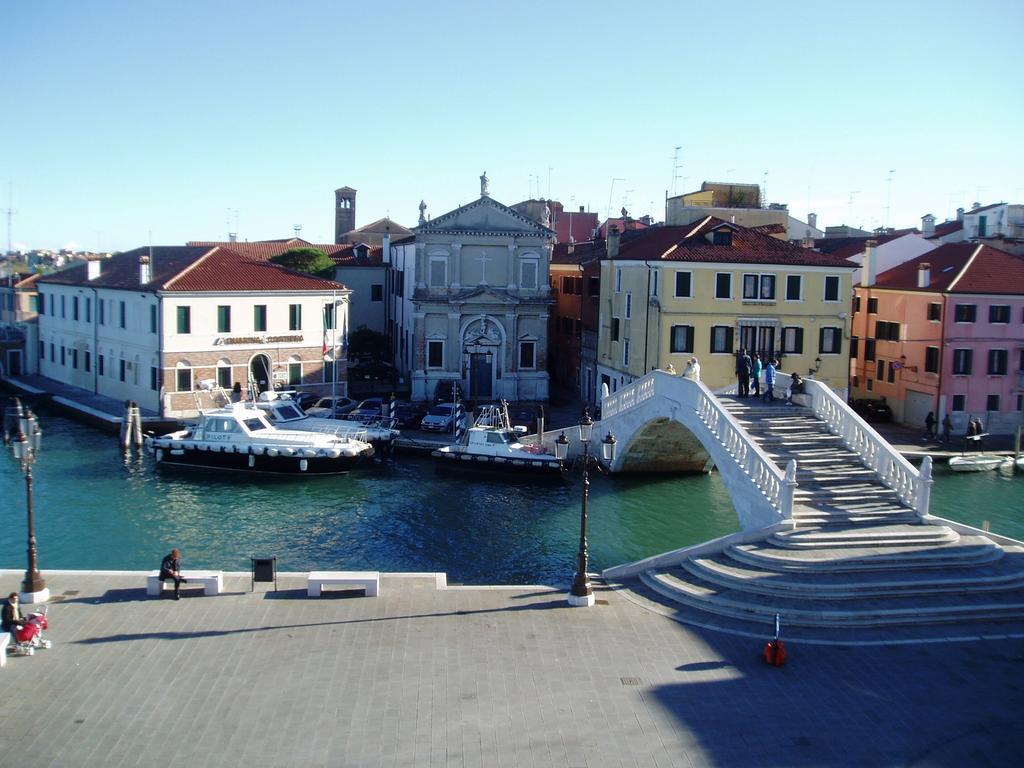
(240, 437)
(493, 445)
(285, 413)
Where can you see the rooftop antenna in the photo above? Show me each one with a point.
(850, 211)
(232, 232)
(10, 213)
(764, 190)
(298, 230)
(728, 173)
(529, 194)
(550, 169)
(888, 196)
(608, 215)
(676, 165)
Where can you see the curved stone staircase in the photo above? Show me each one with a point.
(857, 566)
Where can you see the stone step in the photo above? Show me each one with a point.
(970, 551)
(727, 573)
(866, 612)
(858, 536)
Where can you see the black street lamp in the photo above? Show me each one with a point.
(581, 594)
(26, 446)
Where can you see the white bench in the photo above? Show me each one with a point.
(212, 581)
(316, 581)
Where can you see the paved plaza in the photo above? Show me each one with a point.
(425, 675)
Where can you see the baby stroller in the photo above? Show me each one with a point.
(29, 635)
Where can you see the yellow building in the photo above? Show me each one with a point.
(711, 288)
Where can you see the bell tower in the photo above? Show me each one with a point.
(344, 212)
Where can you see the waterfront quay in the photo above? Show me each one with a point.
(429, 675)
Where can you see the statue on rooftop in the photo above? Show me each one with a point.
(423, 212)
(483, 185)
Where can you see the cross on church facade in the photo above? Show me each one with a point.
(483, 258)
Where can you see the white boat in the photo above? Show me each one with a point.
(492, 445)
(975, 462)
(240, 437)
(285, 413)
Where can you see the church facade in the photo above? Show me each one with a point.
(472, 298)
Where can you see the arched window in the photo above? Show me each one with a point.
(224, 377)
(183, 376)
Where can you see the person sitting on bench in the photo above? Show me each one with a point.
(170, 568)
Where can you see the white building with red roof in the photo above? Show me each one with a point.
(159, 325)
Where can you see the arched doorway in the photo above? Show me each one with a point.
(260, 378)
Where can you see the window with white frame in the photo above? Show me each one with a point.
(527, 355)
(294, 371)
(684, 285)
(618, 281)
(224, 373)
(625, 352)
(435, 354)
(182, 376)
(759, 287)
(528, 271)
(438, 272)
(723, 285)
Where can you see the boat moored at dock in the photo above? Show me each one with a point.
(240, 437)
(285, 413)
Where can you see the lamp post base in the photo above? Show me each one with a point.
(28, 598)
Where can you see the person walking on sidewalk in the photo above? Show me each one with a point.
(929, 426)
(170, 568)
(947, 429)
(743, 373)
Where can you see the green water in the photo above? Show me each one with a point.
(97, 510)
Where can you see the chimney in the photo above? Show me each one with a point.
(869, 266)
(959, 214)
(581, 209)
(232, 237)
(812, 220)
(386, 246)
(927, 225)
(924, 275)
(145, 273)
(807, 242)
(93, 266)
(613, 242)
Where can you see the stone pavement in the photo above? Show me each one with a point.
(475, 676)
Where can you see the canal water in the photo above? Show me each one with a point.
(96, 509)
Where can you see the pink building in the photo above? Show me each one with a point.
(943, 332)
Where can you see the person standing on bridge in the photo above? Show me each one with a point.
(692, 370)
(769, 380)
(743, 366)
(755, 375)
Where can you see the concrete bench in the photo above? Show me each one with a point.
(212, 581)
(3, 648)
(317, 580)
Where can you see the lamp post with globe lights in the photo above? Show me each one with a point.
(26, 446)
(581, 593)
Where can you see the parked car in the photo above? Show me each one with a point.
(448, 391)
(409, 415)
(440, 418)
(872, 410)
(367, 410)
(524, 417)
(304, 400)
(332, 407)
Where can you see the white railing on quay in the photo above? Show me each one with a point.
(912, 486)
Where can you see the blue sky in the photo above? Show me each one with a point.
(186, 119)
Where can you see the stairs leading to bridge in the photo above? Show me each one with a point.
(858, 566)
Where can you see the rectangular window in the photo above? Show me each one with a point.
(528, 274)
(294, 317)
(224, 376)
(259, 317)
(983, 232)
(625, 352)
(869, 349)
(42, 350)
(52, 353)
(721, 237)
(992, 403)
(856, 304)
(721, 339)
(998, 360)
(122, 370)
(794, 287)
(934, 311)
(832, 288)
(654, 282)
(682, 339)
(154, 378)
(892, 374)
(223, 319)
(962, 359)
(88, 309)
(184, 379)
(329, 371)
(377, 292)
(594, 287)
(74, 308)
(123, 315)
(618, 281)
(41, 308)
(854, 346)
(931, 360)
(435, 354)
(999, 313)
(615, 329)
(88, 361)
(63, 356)
(152, 318)
(830, 340)
(438, 272)
(527, 355)
(880, 370)
(965, 313)
(63, 307)
(723, 285)
(101, 311)
(684, 285)
(872, 306)
(100, 366)
(793, 340)
(959, 403)
(74, 358)
(184, 319)
(887, 331)
(629, 305)
(759, 287)
(294, 374)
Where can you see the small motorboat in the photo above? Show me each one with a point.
(285, 413)
(975, 462)
(493, 445)
(240, 437)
